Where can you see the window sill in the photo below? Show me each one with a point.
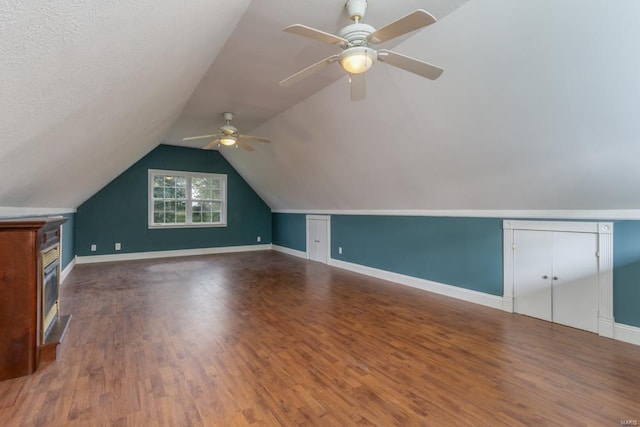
(163, 226)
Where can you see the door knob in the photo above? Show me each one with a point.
(555, 277)
(545, 277)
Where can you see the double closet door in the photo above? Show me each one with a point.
(556, 277)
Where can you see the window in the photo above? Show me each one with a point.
(187, 199)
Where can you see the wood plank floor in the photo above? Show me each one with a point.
(267, 339)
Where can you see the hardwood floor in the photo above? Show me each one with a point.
(267, 339)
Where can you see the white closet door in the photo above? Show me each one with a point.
(575, 284)
(533, 260)
(317, 240)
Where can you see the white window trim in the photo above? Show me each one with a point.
(188, 175)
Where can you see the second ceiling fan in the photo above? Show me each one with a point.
(228, 136)
(357, 55)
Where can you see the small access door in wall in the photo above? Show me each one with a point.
(318, 232)
(556, 277)
(560, 272)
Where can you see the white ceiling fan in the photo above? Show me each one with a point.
(228, 136)
(357, 55)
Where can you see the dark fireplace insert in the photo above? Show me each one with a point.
(50, 275)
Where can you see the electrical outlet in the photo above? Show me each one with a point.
(259, 239)
(94, 248)
(118, 246)
(340, 250)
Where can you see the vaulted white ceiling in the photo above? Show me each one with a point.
(90, 87)
(537, 107)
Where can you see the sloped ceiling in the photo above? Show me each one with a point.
(90, 87)
(536, 110)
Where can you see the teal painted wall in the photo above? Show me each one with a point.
(68, 240)
(464, 252)
(626, 272)
(118, 212)
(289, 231)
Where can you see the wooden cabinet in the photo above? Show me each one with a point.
(25, 340)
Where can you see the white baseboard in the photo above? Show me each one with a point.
(290, 251)
(626, 333)
(469, 295)
(65, 272)
(606, 328)
(507, 304)
(169, 254)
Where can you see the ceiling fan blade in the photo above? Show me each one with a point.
(212, 144)
(312, 33)
(245, 146)
(199, 137)
(418, 19)
(358, 86)
(308, 71)
(412, 65)
(254, 138)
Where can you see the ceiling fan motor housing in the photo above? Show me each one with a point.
(228, 130)
(357, 48)
(356, 34)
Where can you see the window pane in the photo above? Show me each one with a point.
(198, 186)
(204, 194)
(172, 196)
(181, 212)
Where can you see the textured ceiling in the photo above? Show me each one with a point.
(537, 107)
(90, 87)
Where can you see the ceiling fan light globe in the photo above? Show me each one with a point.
(227, 140)
(356, 60)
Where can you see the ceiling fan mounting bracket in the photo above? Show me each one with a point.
(356, 9)
(227, 116)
